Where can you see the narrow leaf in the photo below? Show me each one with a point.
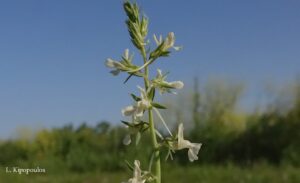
(126, 123)
(136, 98)
(127, 78)
(138, 138)
(157, 105)
(151, 93)
(129, 165)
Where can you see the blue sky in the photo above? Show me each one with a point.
(52, 53)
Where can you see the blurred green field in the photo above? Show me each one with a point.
(202, 174)
(258, 147)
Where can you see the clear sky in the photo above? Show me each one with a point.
(52, 52)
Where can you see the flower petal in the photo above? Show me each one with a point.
(177, 48)
(139, 112)
(137, 173)
(193, 151)
(182, 143)
(109, 63)
(143, 92)
(170, 40)
(180, 132)
(127, 140)
(177, 84)
(126, 54)
(159, 73)
(157, 41)
(128, 111)
(192, 155)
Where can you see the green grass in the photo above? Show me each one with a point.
(202, 174)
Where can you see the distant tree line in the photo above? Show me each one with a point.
(228, 135)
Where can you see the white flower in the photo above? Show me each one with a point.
(137, 174)
(113, 64)
(138, 109)
(124, 65)
(170, 41)
(127, 140)
(164, 86)
(117, 66)
(183, 144)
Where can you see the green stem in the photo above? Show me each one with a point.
(157, 168)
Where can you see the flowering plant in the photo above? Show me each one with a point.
(138, 30)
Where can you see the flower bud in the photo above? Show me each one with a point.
(170, 40)
(109, 63)
(126, 54)
(177, 84)
(113, 64)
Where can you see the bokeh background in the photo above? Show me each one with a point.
(60, 106)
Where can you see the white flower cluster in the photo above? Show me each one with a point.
(167, 43)
(137, 110)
